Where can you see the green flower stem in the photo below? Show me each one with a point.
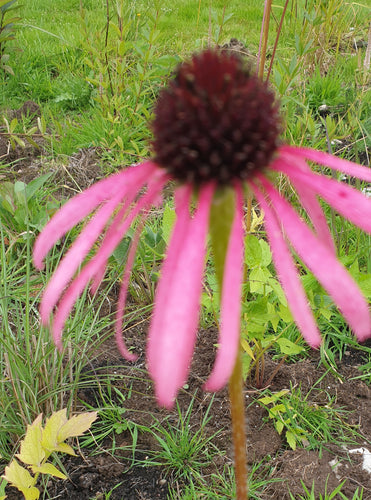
(238, 429)
(221, 219)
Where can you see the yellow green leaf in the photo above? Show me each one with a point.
(51, 430)
(246, 347)
(31, 450)
(20, 478)
(291, 440)
(49, 469)
(65, 448)
(76, 425)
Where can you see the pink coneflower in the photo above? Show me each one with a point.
(216, 131)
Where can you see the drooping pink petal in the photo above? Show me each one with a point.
(324, 265)
(331, 161)
(90, 269)
(154, 189)
(307, 198)
(84, 203)
(121, 302)
(230, 310)
(115, 233)
(288, 274)
(350, 203)
(173, 329)
(76, 255)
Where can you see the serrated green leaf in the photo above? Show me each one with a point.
(253, 251)
(266, 253)
(273, 317)
(288, 347)
(31, 452)
(280, 408)
(258, 279)
(266, 400)
(276, 286)
(246, 365)
(279, 426)
(326, 313)
(285, 314)
(48, 469)
(364, 283)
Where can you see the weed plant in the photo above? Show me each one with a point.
(184, 452)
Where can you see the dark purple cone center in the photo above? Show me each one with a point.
(215, 121)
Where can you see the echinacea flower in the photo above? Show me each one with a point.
(216, 130)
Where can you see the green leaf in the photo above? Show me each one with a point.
(285, 314)
(36, 184)
(276, 286)
(288, 347)
(291, 439)
(122, 248)
(279, 425)
(266, 253)
(364, 283)
(273, 316)
(258, 279)
(253, 251)
(326, 313)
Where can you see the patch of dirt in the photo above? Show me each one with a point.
(90, 477)
(29, 162)
(16, 157)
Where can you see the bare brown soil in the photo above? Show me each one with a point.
(92, 475)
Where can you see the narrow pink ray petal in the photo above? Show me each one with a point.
(230, 315)
(81, 205)
(94, 265)
(112, 238)
(350, 203)
(67, 302)
(173, 329)
(324, 265)
(161, 178)
(288, 274)
(121, 302)
(114, 228)
(331, 161)
(307, 198)
(75, 256)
